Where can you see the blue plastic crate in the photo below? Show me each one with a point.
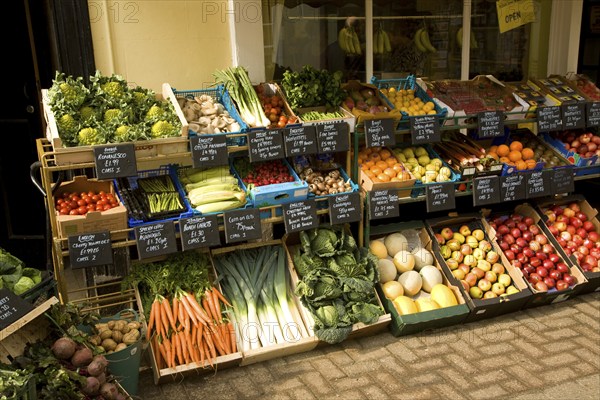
(221, 95)
(133, 184)
(278, 193)
(508, 169)
(573, 157)
(410, 82)
(325, 204)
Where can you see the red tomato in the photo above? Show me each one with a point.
(107, 207)
(82, 210)
(95, 198)
(74, 212)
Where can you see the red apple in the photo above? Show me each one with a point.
(522, 226)
(562, 267)
(554, 257)
(541, 255)
(553, 230)
(529, 269)
(576, 222)
(550, 282)
(535, 277)
(535, 262)
(528, 236)
(528, 221)
(503, 245)
(551, 215)
(555, 274)
(548, 264)
(510, 255)
(580, 216)
(591, 260)
(578, 240)
(593, 235)
(561, 226)
(502, 229)
(569, 212)
(540, 286)
(566, 236)
(522, 243)
(561, 285)
(528, 252)
(547, 248)
(535, 246)
(569, 279)
(515, 232)
(582, 232)
(571, 229)
(534, 229)
(508, 238)
(583, 250)
(541, 271)
(588, 226)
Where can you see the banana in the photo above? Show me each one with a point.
(375, 40)
(387, 46)
(474, 43)
(473, 40)
(417, 40)
(356, 43)
(380, 42)
(459, 37)
(342, 40)
(348, 41)
(425, 41)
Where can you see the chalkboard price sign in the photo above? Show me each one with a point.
(200, 231)
(549, 118)
(512, 187)
(563, 180)
(593, 114)
(333, 137)
(440, 196)
(344, 208)
(490, 124)
(115, 161)
(265, 145)
(156, 239)
(379, 132)
(90, 249)
(573, 115)
(300, 216)
(486, 190)
(242, 225)
(12, 307)
(209, 150)
(300, 140)
(383, 204)
(425, 129)
(539, 183)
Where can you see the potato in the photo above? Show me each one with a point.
(117, 336)
(109, 344)
(125, 329)
(111, 324)
(95, 340)
(134, 325)
(120, 346)
(119, 324)
(106, 334)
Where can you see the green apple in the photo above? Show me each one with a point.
(484, 285)
(498, 288)
(505, 280)
(475, 292)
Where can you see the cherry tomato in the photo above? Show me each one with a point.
(281, 124)
(90, 193)
(73, 204)
(101, 192)
(64, 211)
(65, 195)
(99, 208)
(74, 212)
(81, 203)
(95, 198)
(82, 210)
(114, 203)
(107, 207)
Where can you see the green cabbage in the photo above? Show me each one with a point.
(23, 284)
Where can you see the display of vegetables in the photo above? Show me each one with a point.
(576, 234)
(108, 111)
(337, 282)
(15, 276)
(13, 381)
(80, 203)
(527, 247)
(459, 151)
(237, 82)
(321, 115)
(311, 87)
(274, 107)
(262, 173)
(213, 189)
(116, 334)
(151, 197)
(187, 315)
(258, 284)
(205, 115)
(324, 183)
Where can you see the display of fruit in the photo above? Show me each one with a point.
(576, 234)
(75, 203)
(408, 278)
(262, 173)
(381, 42)
(406, 101)
(421, 166)
(380, 165)
(526, 246)
(366, 100)
(274, 108)
(474, 262)
(460, 151)
(587, 87)
(115, 335)
(586, 144)
(524, 154)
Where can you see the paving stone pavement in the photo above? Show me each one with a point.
(549, 352)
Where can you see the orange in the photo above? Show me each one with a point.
(527, 153)
(531, 163)
(493, 155)
(385, 154)
(376, 170)
(521, 165)
(515, 155)
(391, 161)
(364, 167)
(505, 160)
(516, 146)
(376, 179)
(370, 163)
(503, 150)
(390, 172)
(381, 164)
(493, 149)
(375, 157)
(405, 176)
(367, 150)
(383, 177)
(395, 179)
(398, 167)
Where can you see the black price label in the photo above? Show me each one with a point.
(512, 187)
(201, 231)
(209, 150)
(539, 183)
(156, 239)
(344, 208)
(573, 115)
(12, 307)
(242, 225)
(300, 140)
(90, 249)
(490, 124)
(115, 161)
(593, 114)
(333, 137)
(300, 216)
(440, 196)
(265, 145)
(486, 190)
(379, 132)
(425, 129)
(563, 180)
(383, 204)
(549, 118)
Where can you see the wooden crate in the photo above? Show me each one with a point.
(30, 328)
(278, 350)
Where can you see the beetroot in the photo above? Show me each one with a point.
(109, 391)
(101, 378)
(64, 348)
(82, 357)
(101, 359)
(95, 368)
(92, 386)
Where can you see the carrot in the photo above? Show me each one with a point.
(151, 319)
(184, 346)
(166, 343)
(220, 296)
(206, 306)
(163, 316)
(232, 336)
(182, 317)
(225, 337)
(216, 339)
(188, 310)
(159, 351)
(200, 341)
(207, 352)
(173, 352)
(217, 305)
(179, 348)
(168, 312)
(191, 349)
(211, 347)
(208, 298)
(176, 309)
(196, 306)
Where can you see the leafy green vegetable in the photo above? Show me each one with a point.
(23, 284)
(34, 274)
(12, 382)
(310, 87)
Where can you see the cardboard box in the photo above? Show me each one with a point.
(297, 345)
(292, 242)
(111, 220)
(401, 325)
(362, 116)
(480, 308)
(593, 278)
(551, 296)
(143, 148)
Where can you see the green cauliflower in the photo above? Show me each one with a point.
(89, 136)
(155, 112)
(66, 123)
(66, 92)
(113, 89)
(163, 128)
(86, 113)
(122, 133)
(112, 114)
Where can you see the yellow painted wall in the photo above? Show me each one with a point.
(150, 42)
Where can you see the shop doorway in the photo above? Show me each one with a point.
(589, 41)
